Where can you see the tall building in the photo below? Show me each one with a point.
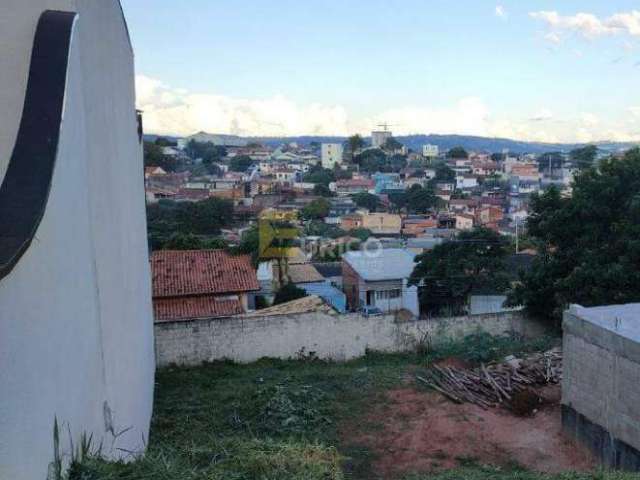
(380, 137)
(430, 151)
(332, 154)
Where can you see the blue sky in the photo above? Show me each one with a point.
(328, 66)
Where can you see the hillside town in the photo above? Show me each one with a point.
(403, 274)
(344, 199)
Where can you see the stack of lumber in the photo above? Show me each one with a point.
(495, 384)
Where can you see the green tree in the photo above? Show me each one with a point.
(444, 174)
(355, 143)
(287, 293)
(207, 152)
(457, 152)
(398, 200)
(584, 157)
(240, 163)
(319, 175)
(373, 160)
(362, 234)
(450, 272)
(165, 142)
(316, 210)
(249, 245)
(589, 244)
(322, 190)
(550, 160)
(319, 228)
(420, 200)
(396, 163)
(189, 241)
(391, 144)
(367, 200)
(153, 157)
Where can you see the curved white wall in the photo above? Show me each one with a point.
(76, 328)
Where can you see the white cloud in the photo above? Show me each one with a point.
(172, 111)
(501, 12)
(589, 120)
(542, 115)
(553, 37)
(591, 26)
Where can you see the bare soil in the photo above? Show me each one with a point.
(415, 431)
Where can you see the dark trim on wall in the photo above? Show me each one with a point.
(25, 189)
(610, 451)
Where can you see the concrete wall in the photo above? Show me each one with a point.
(76, 331)
(336, 337)
(601, 385)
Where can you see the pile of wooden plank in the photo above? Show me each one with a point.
(495, 384)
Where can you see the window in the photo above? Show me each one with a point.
(388, 294)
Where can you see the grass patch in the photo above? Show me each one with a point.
(279, 420)
(482, 347)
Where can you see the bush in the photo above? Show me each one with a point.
(287, 293)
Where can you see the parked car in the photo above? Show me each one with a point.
(370, 311)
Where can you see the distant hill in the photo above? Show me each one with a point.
(445, 142)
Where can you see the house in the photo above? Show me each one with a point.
(489, 214)
(194, 284)
(150, 171)
(153, 195)
(466, 181)
(462, 205)
(464, 221)
(380, 281)
(484, 168)
(351, 222)
(285, 175)
(526, 172)
(309, 279)
(413, 227)
(423, 244)
(355, 185)
(382, 223)
(444, 195)
(331, 271)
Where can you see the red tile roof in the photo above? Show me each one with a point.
(200, 272)
(186, 308)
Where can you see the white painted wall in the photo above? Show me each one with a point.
(76, 331)
(335, 337)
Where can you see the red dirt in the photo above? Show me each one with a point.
(424, 432)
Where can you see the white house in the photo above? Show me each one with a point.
(332, 154)
(466, 181)
(380, 279)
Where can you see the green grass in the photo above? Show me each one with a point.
(278, 420)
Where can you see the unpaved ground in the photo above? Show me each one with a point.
(421, 431)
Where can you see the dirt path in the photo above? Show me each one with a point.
(418, 431)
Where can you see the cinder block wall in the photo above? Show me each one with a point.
(601, 391)
(335, 337)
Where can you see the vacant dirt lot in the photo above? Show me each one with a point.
(421, 431)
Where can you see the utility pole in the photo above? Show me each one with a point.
(517, 242)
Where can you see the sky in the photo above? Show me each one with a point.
(533, 70)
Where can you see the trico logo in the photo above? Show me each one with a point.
(277, 232)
